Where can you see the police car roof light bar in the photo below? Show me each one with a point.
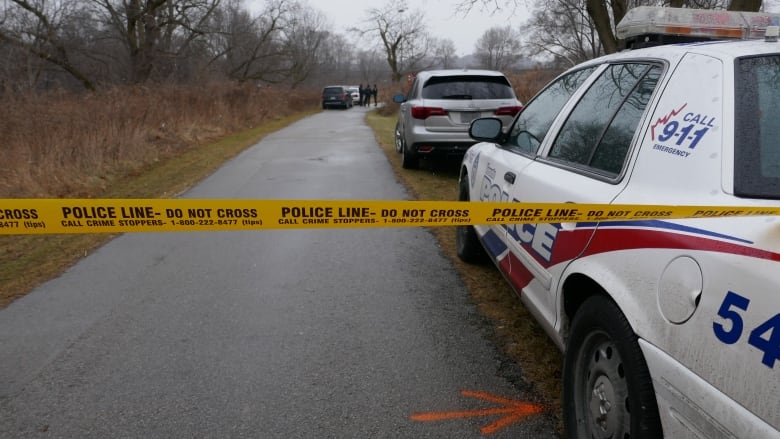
(693, 24)
(771, 34)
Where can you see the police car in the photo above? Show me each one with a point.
(670, 328)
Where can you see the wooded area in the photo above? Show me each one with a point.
(89, 44)
(97, 43)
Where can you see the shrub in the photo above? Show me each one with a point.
(70, 145)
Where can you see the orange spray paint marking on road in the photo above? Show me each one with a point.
(514, 411)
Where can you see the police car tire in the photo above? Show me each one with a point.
(399, 141)
(467, 244)
(604, 368)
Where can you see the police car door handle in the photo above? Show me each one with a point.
(510, 177)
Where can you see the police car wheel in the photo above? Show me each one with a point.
(399, 141)
(466, 241)
(607, 390)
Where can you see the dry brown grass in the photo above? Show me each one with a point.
(516, 331)
(66, 145)
(132, 143)
(529, 82)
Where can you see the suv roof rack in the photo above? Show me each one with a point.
(645, 26)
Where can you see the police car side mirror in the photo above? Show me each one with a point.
(486, 129)
(399, 98)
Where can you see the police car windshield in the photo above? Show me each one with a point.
(757, 127)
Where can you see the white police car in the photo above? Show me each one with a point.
(669, 327)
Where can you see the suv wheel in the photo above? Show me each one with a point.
(408, 160)
(467, 243)
(607, 391)
(399, 141)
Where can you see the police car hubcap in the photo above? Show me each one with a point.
(606, 390)
(601, 405)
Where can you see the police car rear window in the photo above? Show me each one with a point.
(757, 127)
(467, 87)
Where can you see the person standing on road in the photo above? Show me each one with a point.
(362, 93)
(366, 95)
(374, 93)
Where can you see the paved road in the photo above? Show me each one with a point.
(275, 334)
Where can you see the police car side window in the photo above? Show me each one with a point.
(534, 121)
(598, 132)
(757, 128)
(612, 150)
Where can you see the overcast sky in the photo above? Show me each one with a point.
(444, 21)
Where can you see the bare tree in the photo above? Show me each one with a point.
(139, 41)
(370, 65)
(244, 47)
(403, 36)
(302, 37)
(499, 48)
(154, 31)
(563, 30)
(605, 14)
(280, 45)
(39, 28)
(335, 59)
(444, 53)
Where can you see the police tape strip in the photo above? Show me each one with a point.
(55, 216)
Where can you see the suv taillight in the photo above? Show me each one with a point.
(426, 112)
(508, 111)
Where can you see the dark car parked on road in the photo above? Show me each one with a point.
(336, 96)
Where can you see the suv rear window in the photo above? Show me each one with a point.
(333, 90)
(467, 87)
(757, 127)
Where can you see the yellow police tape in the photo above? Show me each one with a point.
(53, 216)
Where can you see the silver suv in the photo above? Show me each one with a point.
(435, 115)
(336, 96)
